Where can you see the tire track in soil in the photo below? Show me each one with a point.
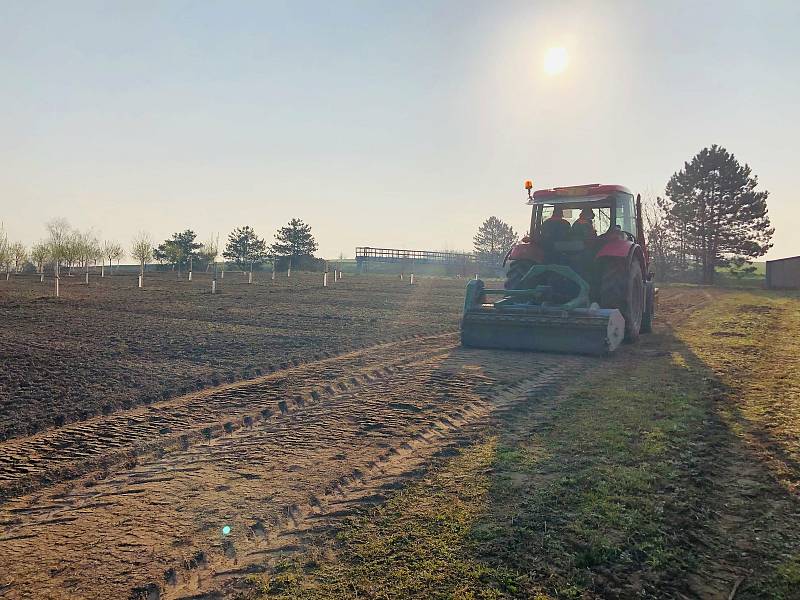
(153, 528)
(391, 471)
(57, 454)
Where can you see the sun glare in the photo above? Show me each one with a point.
(555, 61)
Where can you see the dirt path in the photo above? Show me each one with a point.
(289, 452)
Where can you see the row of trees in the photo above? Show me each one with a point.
(66, 247)
(71, 248)
(293, 244)
(11, 253)
(711, 216)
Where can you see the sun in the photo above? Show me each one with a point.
(556, 60)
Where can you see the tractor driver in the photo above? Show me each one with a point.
(583, 228)
(556, 228)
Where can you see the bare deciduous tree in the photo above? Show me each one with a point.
(5, 251)
(72, 250)
(58, 241)
(40, 252)
(119, 253)
(19, 255)
(87, 250)
(209, 252)
(112, 251)
(142, 250)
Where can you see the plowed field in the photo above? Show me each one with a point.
(110, 346)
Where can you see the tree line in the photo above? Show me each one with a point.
(64, 247)
(294, 245)
(711, 216)
(69, 248)
(11, 253)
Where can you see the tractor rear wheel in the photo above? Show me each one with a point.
(517, 269)
(623, 288)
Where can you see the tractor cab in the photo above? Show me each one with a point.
(576, 226)
(595, 213)
(610, 213)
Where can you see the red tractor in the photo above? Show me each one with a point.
(580, 282)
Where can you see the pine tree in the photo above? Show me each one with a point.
(294, 240)
(244, 247)
(718, 215)
(179, 249)
(494, 239)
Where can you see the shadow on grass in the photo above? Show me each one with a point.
(639, 483)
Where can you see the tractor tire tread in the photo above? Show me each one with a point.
(615, 292)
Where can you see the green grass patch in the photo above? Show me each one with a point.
(785, 582)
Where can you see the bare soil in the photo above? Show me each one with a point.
(110, 346)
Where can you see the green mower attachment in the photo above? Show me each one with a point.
(541, 318)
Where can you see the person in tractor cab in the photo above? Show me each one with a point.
(583, 228)
(556, 228)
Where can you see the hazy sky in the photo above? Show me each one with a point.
(397, 124)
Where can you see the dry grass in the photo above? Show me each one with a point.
(751, 342)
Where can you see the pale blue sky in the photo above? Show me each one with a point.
(400, 124)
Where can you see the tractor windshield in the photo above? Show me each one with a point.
(602, 216)
(615, 209)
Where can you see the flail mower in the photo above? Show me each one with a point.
(569, 288)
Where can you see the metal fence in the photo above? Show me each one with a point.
(396, 255)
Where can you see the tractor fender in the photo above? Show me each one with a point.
(625, 249)
(527, 251)
(616, 248)
(632, 254)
